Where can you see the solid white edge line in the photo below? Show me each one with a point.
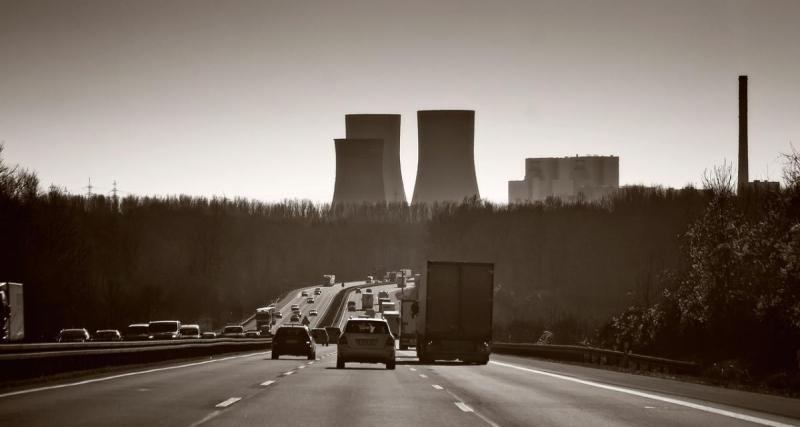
(227, 402)
(266, 383)
(463, 406)
(127, 374)
(437, 387)
(699, 407)
(423, 376)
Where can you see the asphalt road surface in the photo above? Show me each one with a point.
(253, 390)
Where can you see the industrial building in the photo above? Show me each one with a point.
(743, 182)
(446, 165)
(387, 128)
(587, 178)
(359, 171)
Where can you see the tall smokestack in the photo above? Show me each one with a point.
(359, 171)
(744, 176)
(386, 127)
(446, 166)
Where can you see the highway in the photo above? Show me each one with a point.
(251, 389)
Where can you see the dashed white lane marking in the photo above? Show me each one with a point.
(310, 363)
(423, 376)
(463, 406)
(413, 369)
(301, 367)
(699, 407)
(438, 387)
(206, 419)
(286, 374)
(228, 402)
(266, 383)
(128, 374)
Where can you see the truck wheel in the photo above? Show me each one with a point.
(339, 364)
(390, 364)
(483, 361)
(274, 355)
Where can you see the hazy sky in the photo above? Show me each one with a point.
(244, 98)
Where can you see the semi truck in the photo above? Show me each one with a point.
(328, 280)
(455, 312)
(408, 323)
(12, 312)
(366, 301)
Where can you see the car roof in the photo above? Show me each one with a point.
(138, 324)
(99, 331)
(366, 319)
(190, 326)
(293, 326)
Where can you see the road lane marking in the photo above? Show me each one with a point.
(423, 376)
(127, 374)
(301, 367)
(228, 402)
(266, 383)
(699, 407)
(286, 374)
(206, 419)
(438, 387)
(310, 363)
(413, 369)
(463, 406)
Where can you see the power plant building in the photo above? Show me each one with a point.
(587, 178)
(359, 171)
(446, 165)
(387, 128)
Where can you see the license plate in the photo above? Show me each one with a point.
(366, 342)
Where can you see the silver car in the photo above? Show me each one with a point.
(366, 341)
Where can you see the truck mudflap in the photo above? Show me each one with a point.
(466, 351)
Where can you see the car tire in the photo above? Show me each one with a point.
(275, 355)
(339, 364)
(390, 364)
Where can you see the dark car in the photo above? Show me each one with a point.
(107, 335)
(137, 332)
(73, 335)
(320, 335)
(333, 333)
(295, 341)
(233, 331)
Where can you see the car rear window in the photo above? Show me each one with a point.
(291, 333)
(365, 327)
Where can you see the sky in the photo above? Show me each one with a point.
(244, 98)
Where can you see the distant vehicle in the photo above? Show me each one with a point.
(387, 306)
(233, 331)
(383, 294)
(368, 290)
(165, 329)
(208, 335)
(328, 280)
(252, 333)
(293, 340)
(358, 291)
(313, 313)
(190, 331)
(295, 318)
(264, 316)
(107, 335)
(393, 319)
(366, 301)
(277, 315)
(320, 336)
(12, 313)
(455, 312)
(265, 332)
(366, 341)
(137, 332)
(333, 333)
(73, 335)
(317, 291)
(304, 294)
(408, 323)
(369, 280)
(295, 307)
(351, 306)
(369, 312)
(310, 300)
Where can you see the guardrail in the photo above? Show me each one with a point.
(48, 359)
(600, 356)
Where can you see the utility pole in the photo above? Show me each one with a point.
(89, 189)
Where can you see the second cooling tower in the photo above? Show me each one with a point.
(446, 165)
(387, 128)
(359, 171)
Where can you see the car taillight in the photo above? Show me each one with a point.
(390, 341)
(343, 340)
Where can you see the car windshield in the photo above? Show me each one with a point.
(291, 333)
(233, 329)
(139, 329)
(365, 327)
(157, 327)
(107, 333)
(189, 331)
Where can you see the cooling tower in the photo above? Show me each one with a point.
(387, 128)
(446, 165)
(359, 171)
(744, 176)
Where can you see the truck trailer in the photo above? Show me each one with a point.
(455, 313)
(12, 312)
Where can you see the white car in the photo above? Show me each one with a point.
(366, 341)
(313, 313)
